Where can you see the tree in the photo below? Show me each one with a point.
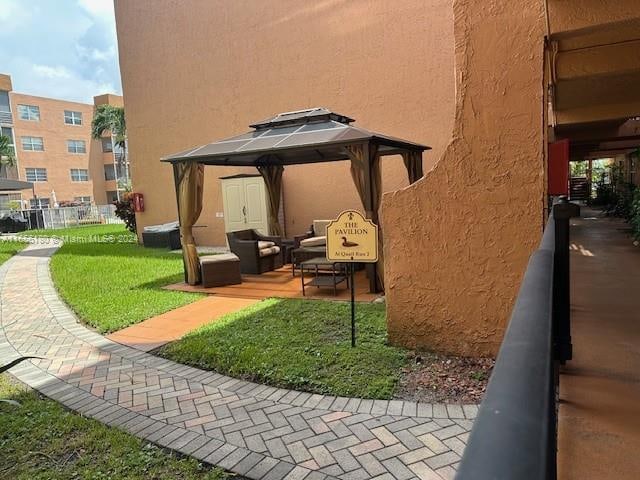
(109, 118)
(7, 155)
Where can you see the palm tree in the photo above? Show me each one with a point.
(109, 118)
(7, 155)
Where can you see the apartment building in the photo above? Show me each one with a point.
(55, 151)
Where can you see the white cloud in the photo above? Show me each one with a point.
(12, 14)
(61, 49)
(102, 9)
(46, 71)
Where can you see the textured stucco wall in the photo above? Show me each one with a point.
(195, 71)
(584, 14)
(457, 242)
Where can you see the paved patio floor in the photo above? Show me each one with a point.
(599, 424)
(253, 430)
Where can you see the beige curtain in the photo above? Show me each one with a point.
(272, 175)
(358, 174)
(413, 163)
(189, 186)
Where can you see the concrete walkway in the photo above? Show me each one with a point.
(599, 424)
(256, 431)
(173, 325)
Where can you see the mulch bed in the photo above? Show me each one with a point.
(434, 378)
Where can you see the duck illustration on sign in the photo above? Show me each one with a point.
(352, 238)
(347, 243)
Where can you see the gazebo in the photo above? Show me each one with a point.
(292, 138)
(10, 185)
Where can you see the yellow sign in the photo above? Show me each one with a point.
(352, 238)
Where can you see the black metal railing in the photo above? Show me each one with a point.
(514, 436)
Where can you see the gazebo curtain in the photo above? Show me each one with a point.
(190, 182)
(413, 163)
(272, 175)
(359, 160)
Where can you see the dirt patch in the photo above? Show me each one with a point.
(437, 378)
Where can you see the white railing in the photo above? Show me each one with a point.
(64, 217)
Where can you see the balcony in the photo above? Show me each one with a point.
(6, 118)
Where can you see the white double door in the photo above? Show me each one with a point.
(245, 204)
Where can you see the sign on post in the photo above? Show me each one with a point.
(351, 239)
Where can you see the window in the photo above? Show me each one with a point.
(72, 118)
(8, 132)
(39, 203)
(4, 102)
(34, 144)
(109, 172)
(29, 112)
(36, 174)
(79, 175)
(112, 196)
(76, 146)
(86, 200)
(107, 146)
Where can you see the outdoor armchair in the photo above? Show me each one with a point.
(257, 253)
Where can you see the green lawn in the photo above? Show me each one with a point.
(299, 344)
(41, 440)
(110, 281)
(9, 248)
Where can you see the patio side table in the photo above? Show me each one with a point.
(327, 274)
(301, 254)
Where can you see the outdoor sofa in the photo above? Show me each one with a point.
(13, 223)
(257, 253)
(315, 237)
(166, 235)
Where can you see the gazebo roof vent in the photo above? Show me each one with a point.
(301, 117)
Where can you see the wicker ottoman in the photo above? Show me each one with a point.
(220, 270)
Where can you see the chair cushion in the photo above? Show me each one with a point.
(265, 252)
(264, 244)
(223, 257)
(314, 241)
(320, 227)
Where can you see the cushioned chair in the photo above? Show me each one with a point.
(257, 253)
(315, 237)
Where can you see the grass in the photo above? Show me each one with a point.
(41, 440)
(9, 248)
(299, 344)
(111, 282)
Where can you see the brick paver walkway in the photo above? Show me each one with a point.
(257, 431)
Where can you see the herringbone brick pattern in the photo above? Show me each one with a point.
(254, 430)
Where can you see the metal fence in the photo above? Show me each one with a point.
(515, 433)
(63, 217)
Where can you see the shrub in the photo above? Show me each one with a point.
(635, 214)
(124, 211)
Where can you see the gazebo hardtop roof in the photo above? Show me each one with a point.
(305, 136)
(9, 185)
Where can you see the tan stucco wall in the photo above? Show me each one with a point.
(197, 71)
(457, 242)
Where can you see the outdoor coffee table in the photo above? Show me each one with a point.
(327, 274)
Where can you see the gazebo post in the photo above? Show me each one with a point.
(372, 268)
(176, 182)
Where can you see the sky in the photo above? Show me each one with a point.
(63, 49)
